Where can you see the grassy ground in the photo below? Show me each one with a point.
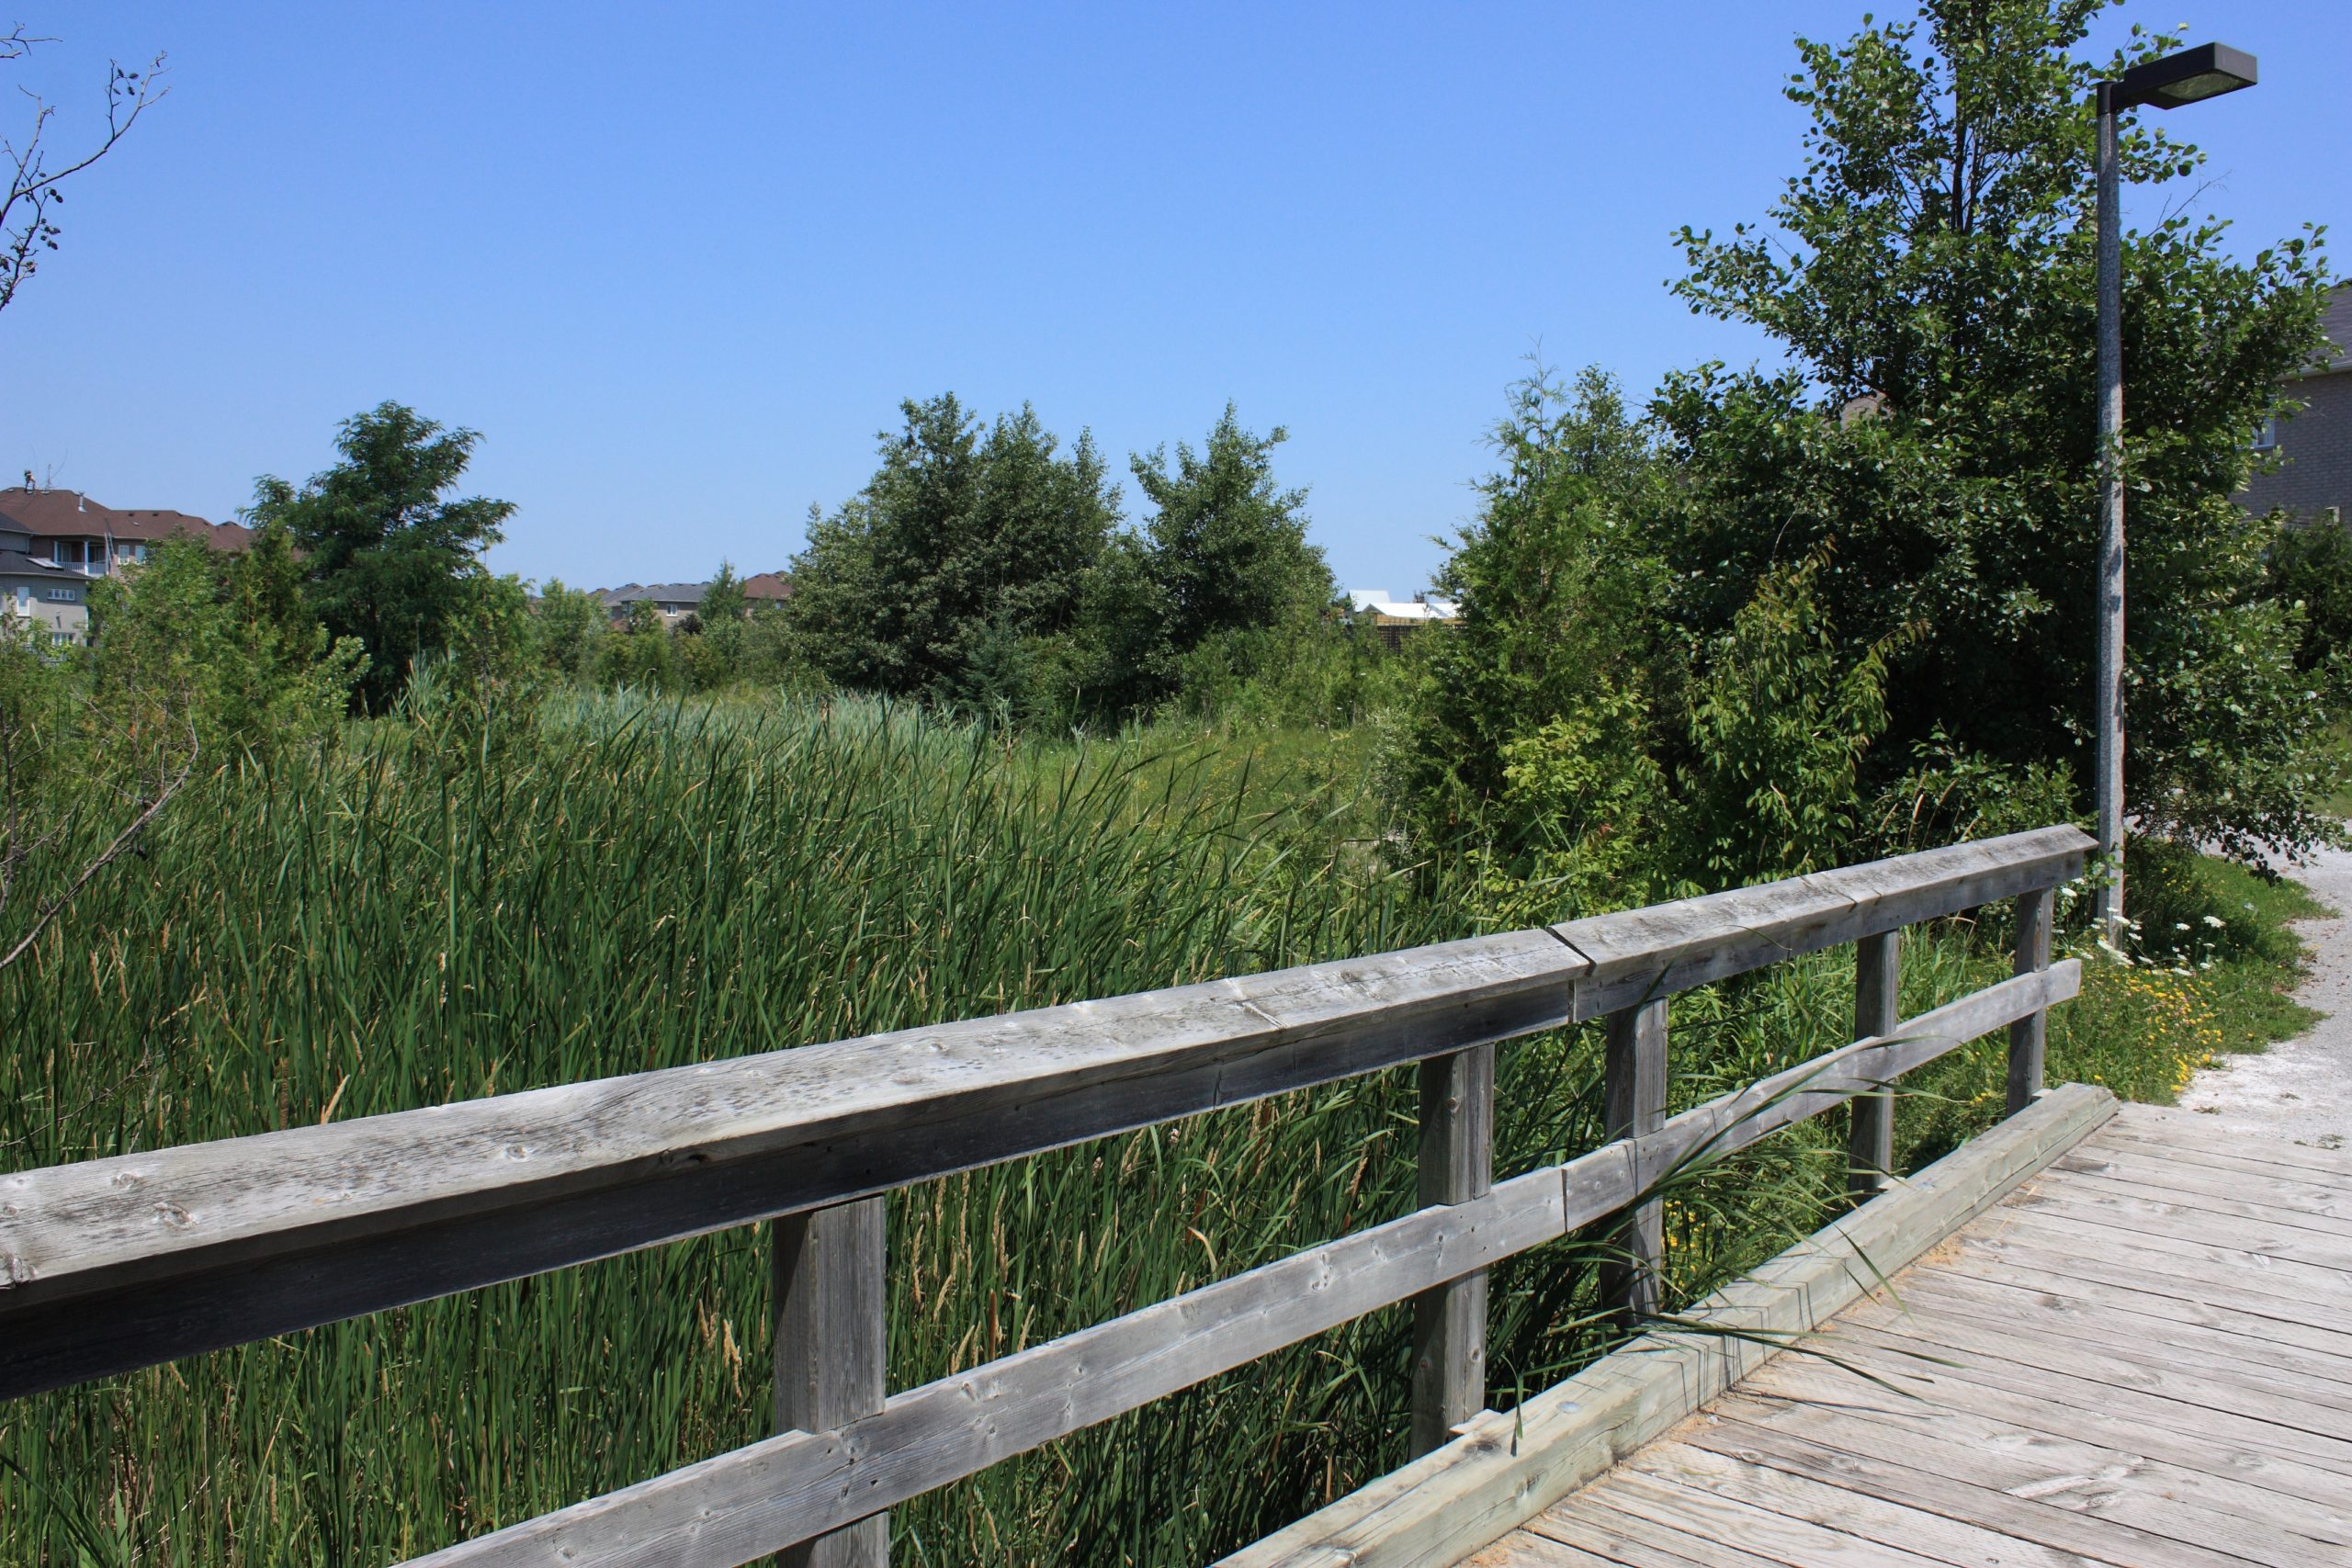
(452, 911)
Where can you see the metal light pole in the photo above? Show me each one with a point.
(2183, 76)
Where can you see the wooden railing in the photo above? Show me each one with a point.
(120, 1263)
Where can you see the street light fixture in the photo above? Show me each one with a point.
(2183, 76)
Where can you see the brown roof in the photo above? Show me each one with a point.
(52, 512)
(165, 524)
(768, 585)
(65, 514)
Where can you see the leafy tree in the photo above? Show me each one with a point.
(640, 654)
(1937, 252)
(386, 558)
(1559, 596)
(962, 539)
(2309, 570)
(1781, 725)
(1228, 546)
(722, 599)
(572, 629)
(224, 642)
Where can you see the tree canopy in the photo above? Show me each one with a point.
(386, 558)
(1936, 253)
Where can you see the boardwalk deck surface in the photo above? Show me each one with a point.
(2142, 1359)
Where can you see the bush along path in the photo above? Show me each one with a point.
(2300, 1088)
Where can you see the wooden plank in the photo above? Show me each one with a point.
(1926, 1291)
(2127, 1215)
(1536, 1551)
(2320, 1286)
(1639, 1508)
(1457, 1153)
(2029, 1037)
(1869, 1141)
(2197, 1161)
(1507, 1468)
(2287, 1399)
(2145, 1298)
(1733, 1120)
(1634, 1090)
(757, 1499)
(2175, 1132)
(2224, 1292)
(1881, 1521)
(2171, 1145)
(117, 1263)
(2284, 1201)
(114, 1263)
(2202, 1408)
(2208, 1509)
(2064, 1533)
(1638, 954)
(2314, 1497)
(832, 1350)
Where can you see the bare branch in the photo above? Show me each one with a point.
(25, 226)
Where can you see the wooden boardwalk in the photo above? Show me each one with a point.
(2142, 1358)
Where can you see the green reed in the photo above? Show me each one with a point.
(435, 909)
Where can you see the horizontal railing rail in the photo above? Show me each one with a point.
(113, 1264)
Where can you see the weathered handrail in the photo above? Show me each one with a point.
(118, 1263)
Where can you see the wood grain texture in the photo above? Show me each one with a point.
(118, 1263)
(1457, 1156)
(1870, 1141)
(1638, 954)
(1633, 1095)
(1508, 1467)
(832, 1350)
(1998, 1405)
(762, 1497)
(2030, 1037)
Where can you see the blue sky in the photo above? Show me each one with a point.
(679, 265)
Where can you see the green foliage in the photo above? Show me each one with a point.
(386, 558)
(1951, 796)
(1559, 620)
(1780, 724)
(1936, 253)
(223, 643)
(1229, 547)
(2309, 570)
(723, 603)
(573, 629)
(960, 541)
(639, 655)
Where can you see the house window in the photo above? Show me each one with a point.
(2266, 435)
(63, 595)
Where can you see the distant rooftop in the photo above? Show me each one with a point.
(1377, 602)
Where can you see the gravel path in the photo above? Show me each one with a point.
(2301, 1089)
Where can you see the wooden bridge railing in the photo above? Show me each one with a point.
(119, 1263)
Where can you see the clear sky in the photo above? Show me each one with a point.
(678, 264)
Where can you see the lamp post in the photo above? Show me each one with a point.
(2183, 76)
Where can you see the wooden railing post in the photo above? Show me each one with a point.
(1636, 1094)
(831, 1347)
(1450, 1322)
(2029, 1037)
(1869, 1145)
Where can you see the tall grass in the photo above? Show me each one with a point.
(444, 907)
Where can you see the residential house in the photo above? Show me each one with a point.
(1393, 619)
(54, 541)
(675, 601)
(2313, 484)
